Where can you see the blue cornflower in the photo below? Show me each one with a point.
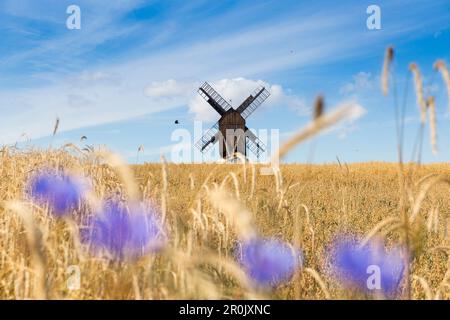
(268, 261)
(60, 191)
(369, 268)
(125, 232)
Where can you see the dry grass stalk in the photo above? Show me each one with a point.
(235, 211)
(318, 107)
(164, 190)
(323, 122)
(55, 128)
(319, 281)
(442, 67)
(433, 220)
(308, 224)
(376, 229)
(192, 181)
(417, 202)
(389, 56)
(253, 183)
(34, 240)
(419, 91)
(433, 124)
(124, 172)
(426, 288)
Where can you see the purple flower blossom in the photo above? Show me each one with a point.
(125, 233)
(268, 262)
(61, 192)
(370, 267)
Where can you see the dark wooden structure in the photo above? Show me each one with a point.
(231, 129)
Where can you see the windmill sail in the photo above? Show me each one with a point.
(213, 98)
(253, 143)
(209, 138)
(253, 101)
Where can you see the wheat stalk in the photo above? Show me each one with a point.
(318, 107)
(389, 56)
(419, 91)
(235, 212)
(319, 280)
(55, 128)
(442, 67)
(321, 123)
(433, 125)
(34, 241)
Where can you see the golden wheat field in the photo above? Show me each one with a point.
(205, 208)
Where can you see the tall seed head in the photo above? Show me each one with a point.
(318, 107)
(442, 68)
(388, 57)
(419, 91)
(433, 126)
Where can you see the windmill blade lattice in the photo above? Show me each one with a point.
(209, 138)
(214, 98)
(234, 120)
(255, 145)
(257, 98)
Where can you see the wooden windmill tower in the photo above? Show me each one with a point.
(231, 130)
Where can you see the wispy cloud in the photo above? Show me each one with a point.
(361, 81)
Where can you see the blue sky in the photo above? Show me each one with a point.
(134, 67)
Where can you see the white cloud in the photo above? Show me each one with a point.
(236, 90)
(361, 81)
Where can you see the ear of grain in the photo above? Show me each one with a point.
(433, 124)
(433, 220)
(236, 184)
(55, 128)
(253, 183)
(389, 56)
(419, 91)
(192, 181)
(321, 123)
(442, 67)
(318, 107)
(424, 189)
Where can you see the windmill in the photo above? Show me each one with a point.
(231, 130)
